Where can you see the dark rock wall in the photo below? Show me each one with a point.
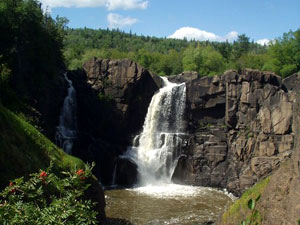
(239, 127)
(113, 98)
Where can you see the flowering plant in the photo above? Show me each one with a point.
(46, 198)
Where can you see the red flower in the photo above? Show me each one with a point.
(13, 190)
(11, 184)
(80, 172)
(43, 174)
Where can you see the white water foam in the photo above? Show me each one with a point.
(174, 191)
(157, 148)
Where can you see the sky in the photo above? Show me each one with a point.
(215, 20)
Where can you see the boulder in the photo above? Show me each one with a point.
(126, 172)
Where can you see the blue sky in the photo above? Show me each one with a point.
(200, 19)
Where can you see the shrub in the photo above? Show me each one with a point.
(48, 199)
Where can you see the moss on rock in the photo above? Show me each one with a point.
(239, 211)
(23, 149)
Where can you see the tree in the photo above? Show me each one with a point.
(192, 59)
(284, 54)
(212, 62)
(240, 46)
(204, 60)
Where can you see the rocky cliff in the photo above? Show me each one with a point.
(280, 196)
(239, 125)
(113, 98)
(239, 129)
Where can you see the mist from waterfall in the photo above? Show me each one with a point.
(66, 131)
(157, 148)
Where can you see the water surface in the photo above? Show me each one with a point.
(166, 204)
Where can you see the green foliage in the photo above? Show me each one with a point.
(30, 44)
(255, 216)
(205, 60)
(24, 147)
(284, 54)
(48, 199)
(169, 56)
(240, 46)
(159, 55)
(251, 60)
(239, 210)
(213, 62)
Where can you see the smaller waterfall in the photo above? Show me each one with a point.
(66, 131)
(156, 149)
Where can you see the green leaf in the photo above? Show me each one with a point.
(258, 197)
(251, 204)
(298, 222)
(255, 214)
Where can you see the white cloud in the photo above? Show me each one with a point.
(118, 21)
(201, 35)
(109, 4)
(231, 36)
(264, 41)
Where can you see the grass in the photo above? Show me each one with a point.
(23, 149)
(239, 209)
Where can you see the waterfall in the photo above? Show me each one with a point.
(156, 149)
(66, 131)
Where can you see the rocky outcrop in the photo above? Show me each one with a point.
(125, 172)
(130, 86)
(95, 193)
(112, 98)
(280, 198)
(240, 129)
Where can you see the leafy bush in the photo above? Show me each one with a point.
(48, 199)
(288, 70)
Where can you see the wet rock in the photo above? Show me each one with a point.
(184, 170)
(126, 172)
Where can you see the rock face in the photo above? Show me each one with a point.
(112, 98)
(126, 172)
(280, 199)
(239, 126)
(130, 86)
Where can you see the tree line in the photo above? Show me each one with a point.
(166, 56)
